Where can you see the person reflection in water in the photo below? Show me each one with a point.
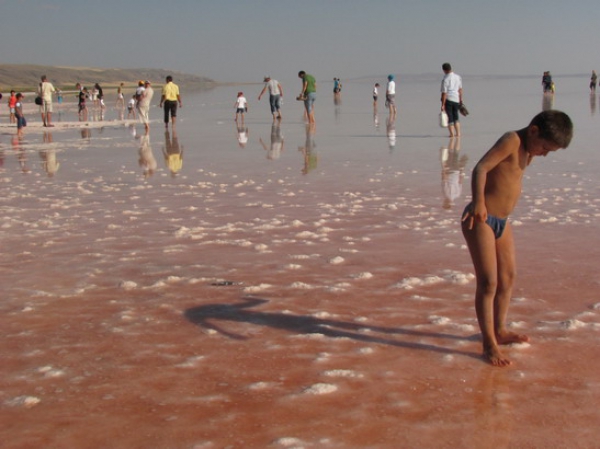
(390, 127)
(242, 134)
(48, 156)
(276, 148)
(173, 153)
(453, 171)
(308, 150)
(147, 160)
(21, 154)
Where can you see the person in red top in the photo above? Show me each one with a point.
(12, 102)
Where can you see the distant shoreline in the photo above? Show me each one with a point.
(25, 77)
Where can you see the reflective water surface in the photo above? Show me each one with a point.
(273, 285)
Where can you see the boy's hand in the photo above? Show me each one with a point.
(473, 214)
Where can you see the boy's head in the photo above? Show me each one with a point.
(554, 126)
(446, 67)
(19, 96)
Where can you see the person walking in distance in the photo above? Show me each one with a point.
(170, 99)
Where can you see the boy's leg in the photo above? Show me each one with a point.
(482, 247)
(505, 253)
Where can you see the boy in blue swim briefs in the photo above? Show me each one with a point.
(496, 187)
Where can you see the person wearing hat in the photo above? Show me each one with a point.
(390, 94)
(275, 96)
(143, 105)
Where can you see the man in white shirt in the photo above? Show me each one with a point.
(451, 98)
(45, 91)
(275, 95)
(390, 95)
(143, 105)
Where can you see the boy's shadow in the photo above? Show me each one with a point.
(208, 316)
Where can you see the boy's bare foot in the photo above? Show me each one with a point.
(496, 358)
(507, 338)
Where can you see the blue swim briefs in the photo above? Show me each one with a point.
(497, 224)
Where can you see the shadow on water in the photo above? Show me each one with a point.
(210, 316)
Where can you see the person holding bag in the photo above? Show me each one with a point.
(451, 98)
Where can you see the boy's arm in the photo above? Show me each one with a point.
(280, 89)
(502, 150)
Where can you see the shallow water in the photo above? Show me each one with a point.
(346, 317)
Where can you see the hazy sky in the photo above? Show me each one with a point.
(242, 40)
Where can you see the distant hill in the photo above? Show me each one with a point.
(27, 77)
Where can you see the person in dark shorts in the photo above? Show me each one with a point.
(169, 100)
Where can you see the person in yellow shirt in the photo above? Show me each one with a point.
(170, 99)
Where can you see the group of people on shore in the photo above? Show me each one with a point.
(43, 99)
(141, 102)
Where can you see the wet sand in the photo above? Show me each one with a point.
(311, 294)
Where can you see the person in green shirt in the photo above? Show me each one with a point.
(309, 94)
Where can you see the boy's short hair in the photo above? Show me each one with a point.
(554, 126)
(446, 67)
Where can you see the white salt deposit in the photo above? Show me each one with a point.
(573, 324)
(301, 285)
(257, 288)
(323, 315)
(339, 287)
(320, 388)
(50, 372)
(128, 285)
(292, 266)
(261, 386)
(23, 401)
(347, 373)
(191, 362)
(439, 320)
(289, 442)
